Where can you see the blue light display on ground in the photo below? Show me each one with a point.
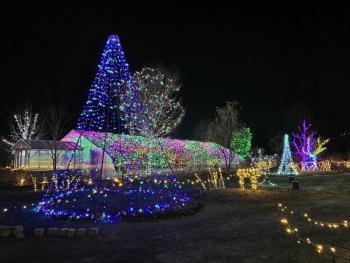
(145, 198)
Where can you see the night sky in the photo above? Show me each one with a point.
(282, 61)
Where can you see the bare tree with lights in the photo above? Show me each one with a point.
(25, 125)
(159, 93)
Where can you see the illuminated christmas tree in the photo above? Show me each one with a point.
(113, 104)
(286, 160)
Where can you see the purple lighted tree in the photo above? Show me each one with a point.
(113, 104)
(307, 146)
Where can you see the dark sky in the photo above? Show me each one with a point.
(280, 59)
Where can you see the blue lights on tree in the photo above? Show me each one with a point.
(113, 104)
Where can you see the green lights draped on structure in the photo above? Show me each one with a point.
(241, 142)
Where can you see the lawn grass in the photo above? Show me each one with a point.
(233, 226)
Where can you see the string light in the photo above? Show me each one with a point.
(241, 142)
(55, 181)
(26, 126)
(21, 181)
(252, 174)
(265, 166)
(320, 223)
(110, 119)
(290, 230)
(324, 166)
(260, 167)
(8, 209)
(200, 181)
(342, 164)
(113, 104)
(131, 151)
(35, 186)
(308, 147)
(147, 197)
(44, 182)
(285, 164)
(159, 95)
(215, 179)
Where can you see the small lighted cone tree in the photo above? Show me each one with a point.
(159, 94)
(285, 166)
(308, 147)
(113, 104)
(26, 125)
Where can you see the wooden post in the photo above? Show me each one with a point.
(28, 152)
(15, 159)
(39, 160)
(103, 156)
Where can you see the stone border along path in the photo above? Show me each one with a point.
(17, 232)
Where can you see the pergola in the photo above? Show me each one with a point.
(37, 155)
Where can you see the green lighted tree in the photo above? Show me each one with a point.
(241, 141)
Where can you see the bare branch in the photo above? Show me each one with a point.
(159, 94)
(56, 120)
(25, 125)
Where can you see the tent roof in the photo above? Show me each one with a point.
(45, 145)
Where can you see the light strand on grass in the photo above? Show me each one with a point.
(8, 209)
(320, 223)
(320, 248)
(173, 199)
